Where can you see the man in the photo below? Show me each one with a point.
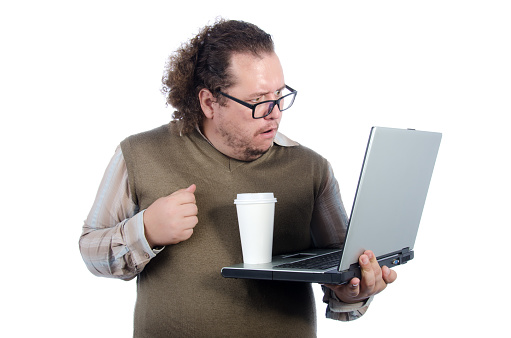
(165, 214)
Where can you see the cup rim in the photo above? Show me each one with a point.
(255, 198)
(274, 200)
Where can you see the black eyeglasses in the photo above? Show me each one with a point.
(263, 109)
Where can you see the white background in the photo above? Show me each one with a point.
(76, 77)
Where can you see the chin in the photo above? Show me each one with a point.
(251, 154)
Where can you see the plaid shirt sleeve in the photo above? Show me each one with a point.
(112, 243)
(328, 228)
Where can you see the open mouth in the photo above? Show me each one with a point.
(269, 130)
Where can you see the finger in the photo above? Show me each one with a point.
(353, 287)
(186, 234)
(191, 188)
(389, 275)
(374, 262)
(188, 210)
(190, 222)
(366, 267)
(183, 196)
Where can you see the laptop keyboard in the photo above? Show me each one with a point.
(315, 263)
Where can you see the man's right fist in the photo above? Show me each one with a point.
(171, 219)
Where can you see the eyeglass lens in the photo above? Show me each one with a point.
(266, 108)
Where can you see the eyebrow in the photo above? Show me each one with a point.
(265, 93)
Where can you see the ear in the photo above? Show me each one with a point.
(207, 102)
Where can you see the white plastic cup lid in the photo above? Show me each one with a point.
(248, 198)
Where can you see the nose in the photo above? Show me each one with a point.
(275, 113)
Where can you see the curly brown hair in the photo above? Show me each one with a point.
(203, 62)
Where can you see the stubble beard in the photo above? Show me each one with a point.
(244, 151)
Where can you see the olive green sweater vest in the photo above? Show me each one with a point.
(181, 292)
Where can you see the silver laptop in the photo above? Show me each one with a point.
(385, 216)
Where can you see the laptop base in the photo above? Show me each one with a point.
(330, 276)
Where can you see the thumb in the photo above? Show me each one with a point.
(191, 188)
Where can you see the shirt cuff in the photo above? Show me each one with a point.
(342, 311)
(141, 251)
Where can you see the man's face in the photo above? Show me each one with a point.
(232, 130)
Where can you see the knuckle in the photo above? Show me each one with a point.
(187, 234)
(369, 282)
(194, 209)
(371, 285)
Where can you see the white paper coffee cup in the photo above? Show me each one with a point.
(256, 212)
